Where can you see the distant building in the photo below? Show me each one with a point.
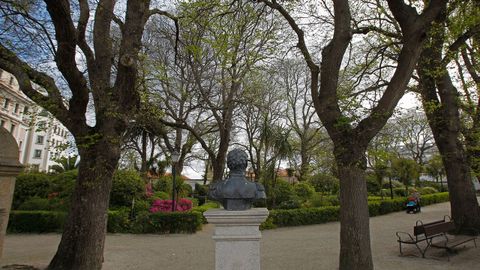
(41, 138)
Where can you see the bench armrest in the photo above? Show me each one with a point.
(405, 237)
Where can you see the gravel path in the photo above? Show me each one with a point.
(299, 248)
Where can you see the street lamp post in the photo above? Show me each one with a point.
(175, 157)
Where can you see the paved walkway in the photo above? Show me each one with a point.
(299, 248)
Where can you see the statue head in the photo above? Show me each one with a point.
(237, 161)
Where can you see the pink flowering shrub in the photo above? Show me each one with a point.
(166, 205)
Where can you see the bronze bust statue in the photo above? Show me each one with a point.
(236, 192)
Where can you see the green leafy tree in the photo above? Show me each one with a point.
(352, 130)
(435, 168)
(95, 49)
(405, 170)
(455, 31)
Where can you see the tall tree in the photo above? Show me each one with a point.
(351, 138)
(468, 73)
(415, 135)
(260, 107)
(440, 98)
(300, 112)
(96, 54)
(224, 42)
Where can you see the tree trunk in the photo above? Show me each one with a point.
(465, 210)
(83, 239)
(143, 155)
(355, 251)
(444, 120)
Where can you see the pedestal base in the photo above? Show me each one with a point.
(237, 238)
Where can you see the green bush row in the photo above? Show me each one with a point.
(35, 221)
(118, 222)
(177, 222)
(318, 215)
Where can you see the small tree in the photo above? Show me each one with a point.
(405, 170)
(434, 168)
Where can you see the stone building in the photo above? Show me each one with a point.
(41, 138)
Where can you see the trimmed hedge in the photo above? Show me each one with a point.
(118, 222)
(203, 208)
(302, 216)
(36, 221)
(176, 222)
(318, 215)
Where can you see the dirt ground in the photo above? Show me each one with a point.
(300, 248)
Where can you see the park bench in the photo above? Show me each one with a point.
(438, 230)
(419, 236)
(447, 241)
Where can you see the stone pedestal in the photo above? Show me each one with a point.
(237, 238)
(10, 167)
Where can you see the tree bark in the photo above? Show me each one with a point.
(465, 210)
(354, 219)
(83, 238)
(444, 119)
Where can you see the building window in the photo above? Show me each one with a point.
(41, 125)
(15, 110)
(2, 123)
(12, 128)
(25, 109)
(6, 103)
(40, 139)
(11, 80)
(37, 153)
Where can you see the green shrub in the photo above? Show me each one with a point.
(306, 216)
(126, 186)
(161, 223)
(36, 221)
(319, 200)
(435, 185)
(160, 195)
(164, 184)
(64, 183)
(200, 192)
(33, 184)
(185, 190)
(35, 203)
(201, 209)
(119, 221)
(141, 206)
(304, 190)
(193, 200)
(325, 183)
(282, 191)
(434, 198)
(290, 204)
(427, 190)
(395, 184)
(400, 192)
(373, 186)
